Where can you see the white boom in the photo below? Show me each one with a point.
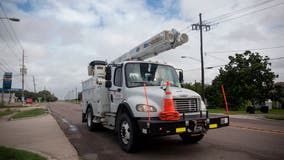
(161, 42)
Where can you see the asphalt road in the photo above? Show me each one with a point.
(244, 139)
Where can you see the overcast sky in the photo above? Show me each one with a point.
(60, 37)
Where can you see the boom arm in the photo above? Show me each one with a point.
(161, 42)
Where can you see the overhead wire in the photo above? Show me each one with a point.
(4, 63)
(218, 58)
(246, 14)
(240, 50)
(6, 41)
(3, 67)
(220, 65)
(12, 28)
(276, 58)
(228, 14)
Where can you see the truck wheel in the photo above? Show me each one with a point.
(189, 138)
(127, 133)
(91, 125)
(90, 118)
(84, 118)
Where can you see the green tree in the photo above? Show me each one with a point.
(45, 95)
(247, 77)
(197, 87)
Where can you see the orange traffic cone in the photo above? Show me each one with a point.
(169, 113)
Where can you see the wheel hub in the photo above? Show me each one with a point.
(89, 118)
(125, 132)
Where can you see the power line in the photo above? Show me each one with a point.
(12, 28)
(229, 14)
(3, 67)
(249, 13)
(276, 58)
(218, 58)
(7, 66)
(240, 50)
(6, 42)
(220, 65)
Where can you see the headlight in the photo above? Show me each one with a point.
(144, 108)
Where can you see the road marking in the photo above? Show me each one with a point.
(258, 129)
(64, 120)
(72, 127)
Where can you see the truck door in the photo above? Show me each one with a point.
(116, 93)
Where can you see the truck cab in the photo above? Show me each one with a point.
(128, 82)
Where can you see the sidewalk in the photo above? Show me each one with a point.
(40, 135)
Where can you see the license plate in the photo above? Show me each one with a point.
(180, 130)
(197, 129)
(213, 126)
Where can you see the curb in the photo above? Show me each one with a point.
(259, 129)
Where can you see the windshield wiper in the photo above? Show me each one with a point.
(148, 83)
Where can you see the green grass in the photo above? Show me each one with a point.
(5, 113)
(276, 111)
(15, 154)
(221, 110)
(30, 113)
(73, 101)
(275, 117)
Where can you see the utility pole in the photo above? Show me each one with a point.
(34, 84)
(2, 101)
(200, 26)
(23, 77)
(76, 96)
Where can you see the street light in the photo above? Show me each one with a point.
(11, 19)
(211, 67)
(190, 58)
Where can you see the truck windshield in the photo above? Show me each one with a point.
(151, 74)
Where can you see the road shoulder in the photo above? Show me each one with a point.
(40, 135)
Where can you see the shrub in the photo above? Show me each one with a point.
(264, 109)
(250, 109)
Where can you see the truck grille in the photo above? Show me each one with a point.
(185, 105)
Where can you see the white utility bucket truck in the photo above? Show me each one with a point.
(134, 97)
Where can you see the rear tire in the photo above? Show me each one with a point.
(128, 133)
(189, 138)
(91, 125)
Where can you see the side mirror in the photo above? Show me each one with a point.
(108, 73)
(180, 77)
(108, 84)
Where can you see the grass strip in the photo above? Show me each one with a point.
(5, 113)
(221, 110)
(30, 113)
(275, 117)
(16, 154)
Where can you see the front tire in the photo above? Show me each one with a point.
(189, 138)
(128, 135)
